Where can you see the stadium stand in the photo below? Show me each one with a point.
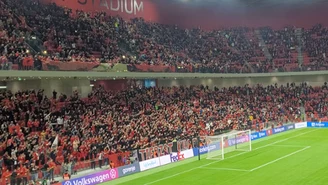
(139, 118)
(57, 36)
(70, 132)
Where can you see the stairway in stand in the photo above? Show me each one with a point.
(263, 46)
(298, 34)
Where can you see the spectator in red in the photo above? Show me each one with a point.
(51, 169)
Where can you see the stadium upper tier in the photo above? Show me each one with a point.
(49, 37)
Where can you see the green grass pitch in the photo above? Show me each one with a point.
(298, 157)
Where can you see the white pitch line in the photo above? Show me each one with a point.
(280, 158)
(228, 169)
(168, 177)
(290, 146)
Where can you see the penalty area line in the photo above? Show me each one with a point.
(280, 158)
(290, 146)
(228, 169)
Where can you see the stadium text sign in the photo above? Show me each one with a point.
(96, 178)
(124, 6)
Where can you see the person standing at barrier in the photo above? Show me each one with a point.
(112, 165)
(51, 170)
(93, 162)
(64, 167)
(34, 172)
(100, 159)
(106, 153)
(73, 171)
(45, 173)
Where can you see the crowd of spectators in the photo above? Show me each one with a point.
(315, 44)
(76, 35)
(12, 46)
(109, 122)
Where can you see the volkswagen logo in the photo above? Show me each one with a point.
(112, 174)
(68, 183)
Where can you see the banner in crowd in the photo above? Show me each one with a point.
(107, 67)
(163, 149)
(317, 124)
(68, 66)
(95, 178)
(128, 169)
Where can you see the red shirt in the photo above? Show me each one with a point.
(11, 129)
(29, 124)
(6, 175)
(60, 159)
(21, 158)
(36, 123)
(51, 165)
(22, 171)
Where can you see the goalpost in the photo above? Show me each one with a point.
(219, 145)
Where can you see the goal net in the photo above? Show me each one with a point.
(219, 145)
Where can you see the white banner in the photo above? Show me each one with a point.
(188, 153)
(149, 164)
(300, 125)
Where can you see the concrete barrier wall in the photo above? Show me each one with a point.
(315, 80)
(66, 86)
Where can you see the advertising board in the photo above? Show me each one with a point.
(128, 169)
(238, 140)
(278, 130)
(300, 125)
(317, 124)
(290, 127)
(258, 135)
(149, 164)
(95, 178)
(176, 156)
